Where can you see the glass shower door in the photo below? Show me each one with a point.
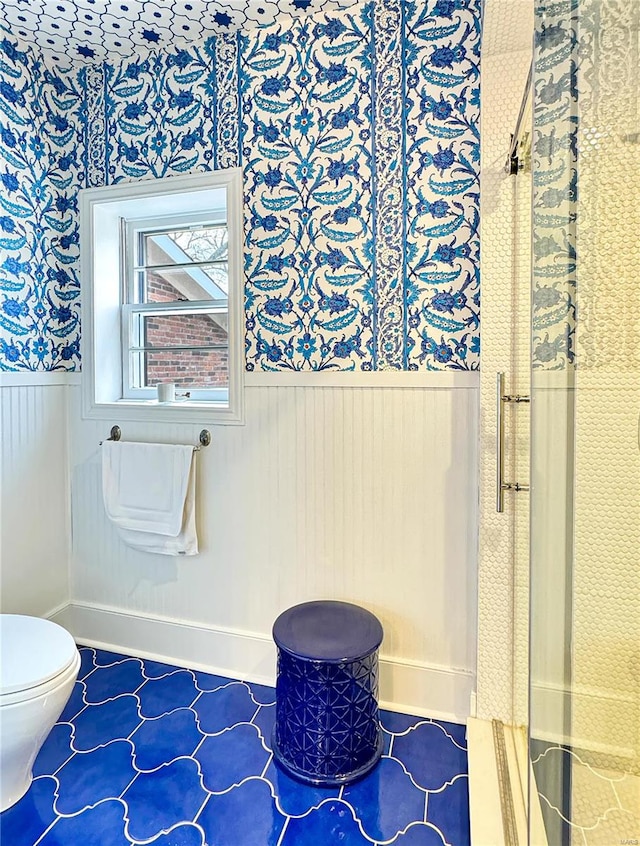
(584, 721)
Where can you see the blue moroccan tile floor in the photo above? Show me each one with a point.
(150, 753)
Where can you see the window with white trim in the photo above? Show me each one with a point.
(162, 298)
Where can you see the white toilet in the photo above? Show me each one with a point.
(39, 666)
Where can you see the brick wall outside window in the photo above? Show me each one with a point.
(188, 369)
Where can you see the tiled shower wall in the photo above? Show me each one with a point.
(606, 657)
(507, 33)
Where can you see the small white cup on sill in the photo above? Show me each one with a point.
(166, 391)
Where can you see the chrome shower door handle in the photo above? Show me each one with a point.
(500, 443)
(501, 399)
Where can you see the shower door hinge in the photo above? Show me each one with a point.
(514, 486)
(516, 398)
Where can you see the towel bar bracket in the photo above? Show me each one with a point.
(114, 435)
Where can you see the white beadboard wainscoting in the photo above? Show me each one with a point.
(364, 494)
(343, 488)
(34, 493)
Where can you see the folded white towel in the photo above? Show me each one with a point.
(185, 543)
(149, 495)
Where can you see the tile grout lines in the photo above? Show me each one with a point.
(233, 765)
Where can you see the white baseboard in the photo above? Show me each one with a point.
(225, 652)
(425, 690)
(405, 686)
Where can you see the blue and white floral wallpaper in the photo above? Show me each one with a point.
(41, 118)
(358, 132)
(308, 153)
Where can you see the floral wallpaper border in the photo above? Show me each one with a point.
(389, 189)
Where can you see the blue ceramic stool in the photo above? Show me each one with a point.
(327, 729)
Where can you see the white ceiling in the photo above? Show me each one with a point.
(92, 30)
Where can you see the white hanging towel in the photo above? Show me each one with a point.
(149, 495)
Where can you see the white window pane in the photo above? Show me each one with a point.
(207, 244)
(208, 282)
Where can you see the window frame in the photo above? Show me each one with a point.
(105, 214)
(133, 231)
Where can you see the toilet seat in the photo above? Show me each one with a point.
(36, 654)
(38, 668)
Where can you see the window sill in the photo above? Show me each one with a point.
(152, 411)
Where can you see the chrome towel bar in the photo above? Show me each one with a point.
(205, 437)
